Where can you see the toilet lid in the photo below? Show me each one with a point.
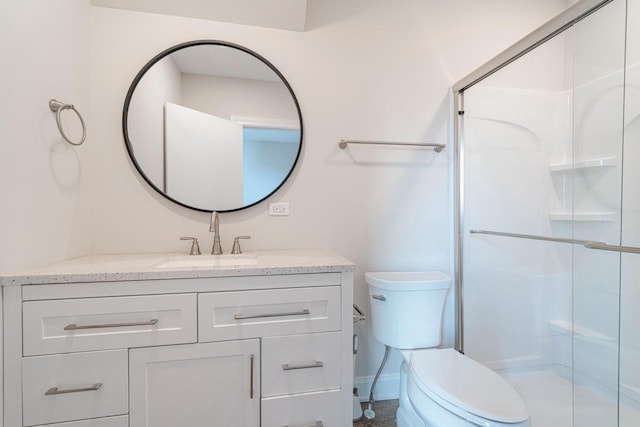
(467, 385)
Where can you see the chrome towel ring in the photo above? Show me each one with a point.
(57, 107)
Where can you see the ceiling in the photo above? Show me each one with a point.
(281, 14)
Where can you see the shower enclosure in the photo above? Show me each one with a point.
(548, 178)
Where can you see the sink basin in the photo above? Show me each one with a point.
(204, 261)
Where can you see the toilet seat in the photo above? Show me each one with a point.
(465, 387)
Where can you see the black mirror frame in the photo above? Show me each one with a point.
(175, 48)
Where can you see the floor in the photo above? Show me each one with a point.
(554, 401)
(385, 415)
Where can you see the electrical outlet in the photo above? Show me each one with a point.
(279, 209)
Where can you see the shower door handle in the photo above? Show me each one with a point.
(586, 243)
(614, 248)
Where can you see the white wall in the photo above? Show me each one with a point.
(44, 52)
(364, 69)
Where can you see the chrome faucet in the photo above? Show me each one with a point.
(214, 227)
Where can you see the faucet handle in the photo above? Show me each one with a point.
(195, 248)
(236, 244)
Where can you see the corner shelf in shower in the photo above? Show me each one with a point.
(583, 216)
(568, 328)
(602, 162)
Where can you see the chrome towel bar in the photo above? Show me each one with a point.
(436, 147)
(589, 244)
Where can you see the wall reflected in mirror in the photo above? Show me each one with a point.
(212, 126)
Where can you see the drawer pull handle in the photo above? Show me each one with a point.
(251, 379)
(55, 390)
(379, 297)
(74, 327)
(317, 424)
(258, 316)
(287, 367)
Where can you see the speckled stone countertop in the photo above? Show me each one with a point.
(112, 268)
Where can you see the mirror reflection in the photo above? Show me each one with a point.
(212, 126)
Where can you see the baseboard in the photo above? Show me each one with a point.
(387, 387)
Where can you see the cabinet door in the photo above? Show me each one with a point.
(212, 384)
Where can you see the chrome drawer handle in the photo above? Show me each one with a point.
(379, 297)
(258, 316)
(287, 367)
(317, 424)
(55, 390)
(74, 327)
(251, 376)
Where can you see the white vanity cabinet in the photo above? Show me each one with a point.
(243, 351)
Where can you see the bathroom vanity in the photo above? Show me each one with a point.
(261, 339)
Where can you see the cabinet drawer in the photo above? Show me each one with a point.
(61, 326)
(300, 363)
(121, 421)
(252, 314)
(303, 410)
(69, 387)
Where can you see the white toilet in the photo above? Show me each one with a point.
(438, 387)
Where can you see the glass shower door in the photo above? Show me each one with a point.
(551, 155)
(517, 291)
(630, 263)
(596, 206)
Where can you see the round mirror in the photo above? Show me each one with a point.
(212, 126)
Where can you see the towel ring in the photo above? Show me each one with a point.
(57, 107)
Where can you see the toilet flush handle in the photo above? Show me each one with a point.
(379, 297)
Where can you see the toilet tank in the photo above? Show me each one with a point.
(406, 307)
